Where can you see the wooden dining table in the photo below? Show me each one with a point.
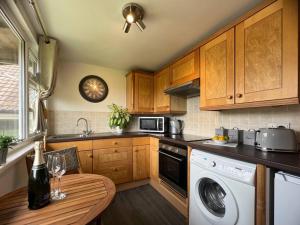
(87, 196)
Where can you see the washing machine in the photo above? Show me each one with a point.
(222, 190)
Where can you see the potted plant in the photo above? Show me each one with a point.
(5, 142)
(119, 118)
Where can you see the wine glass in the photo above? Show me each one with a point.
(50, 170)
(59, 169)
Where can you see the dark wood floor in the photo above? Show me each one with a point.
(141, 206)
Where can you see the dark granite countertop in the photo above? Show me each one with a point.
(288, 162)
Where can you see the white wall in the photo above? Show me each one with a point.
(67, 97)
(14, 177)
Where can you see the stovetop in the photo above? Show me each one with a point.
(184, 137)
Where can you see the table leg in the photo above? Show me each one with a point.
(98, 220)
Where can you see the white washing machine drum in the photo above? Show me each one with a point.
(215, 200)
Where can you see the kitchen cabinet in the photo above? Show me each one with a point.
(130, 92)
(164, 103)
(265, 61)
(80, 145)
(185, 69)
(154, 157)
(141, 162)
(115, 163)
(140, 92)
(84, 149)
(86, 161)
(217, 71)
(267, 54)
(141, 158)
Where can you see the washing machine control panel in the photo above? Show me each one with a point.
(238, 170)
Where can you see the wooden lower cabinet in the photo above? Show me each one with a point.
(154, 169)
(86, 161)
(115, 163)
(81, 145)
(141, 162)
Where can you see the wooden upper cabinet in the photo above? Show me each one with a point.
(267, 54)
(140, 92)
(164, 103)
(144, 89)
(161, 83)
(130, 92)
(185, 69)
(217, 71)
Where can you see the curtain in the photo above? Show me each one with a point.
(48, 53)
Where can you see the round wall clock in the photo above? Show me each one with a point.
(93, 88)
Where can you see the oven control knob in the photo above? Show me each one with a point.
(212, 163)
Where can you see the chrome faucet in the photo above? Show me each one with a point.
(86, 132)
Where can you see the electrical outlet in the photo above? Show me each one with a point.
(274, 125)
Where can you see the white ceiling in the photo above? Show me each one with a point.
(90, 31)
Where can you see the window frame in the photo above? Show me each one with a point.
(26, 47)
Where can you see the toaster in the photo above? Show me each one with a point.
(278, 139)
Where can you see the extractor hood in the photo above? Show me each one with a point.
(188, 89)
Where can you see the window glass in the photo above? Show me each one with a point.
(33, 90)
(10, 80)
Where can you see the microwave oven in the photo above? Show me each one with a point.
(154, 124)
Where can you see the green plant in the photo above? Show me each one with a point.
(119, 116)
(5, 141)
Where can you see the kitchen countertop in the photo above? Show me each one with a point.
(288, 162)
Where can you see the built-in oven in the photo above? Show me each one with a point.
(154, 124)
(173, 166)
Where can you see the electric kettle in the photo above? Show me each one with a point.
(176, 126)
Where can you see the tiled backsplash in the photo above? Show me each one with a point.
(65, 122)
(204, 122)
(196, 122)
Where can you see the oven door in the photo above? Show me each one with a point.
(173, 170)
(149, 124)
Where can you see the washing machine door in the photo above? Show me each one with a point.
(215, 200)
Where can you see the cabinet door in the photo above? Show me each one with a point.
(217, 71)
(154, 164)
(267, 54)
(144, 92)
(130, 92)
(186, 68)
(86, 161)
(81, 145)
(141, 164)
(115, 163)
(161, 83)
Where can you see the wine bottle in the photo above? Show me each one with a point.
(38, 183)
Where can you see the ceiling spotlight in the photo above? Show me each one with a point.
(133, 13)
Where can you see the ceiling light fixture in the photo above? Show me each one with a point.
(133, 13)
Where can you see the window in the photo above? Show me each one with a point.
(11, 80)
(33, 90)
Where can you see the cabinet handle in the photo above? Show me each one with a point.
(239, 95)
(90, 155)
(115, 169)
(136, 150)
(116, 150)
(229, 97)
(115, 143)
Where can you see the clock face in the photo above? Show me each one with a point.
(93, 88)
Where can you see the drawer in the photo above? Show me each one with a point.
(141, 141)
(119, 173)
(110, 143)
(81, 145)
(112, 156)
